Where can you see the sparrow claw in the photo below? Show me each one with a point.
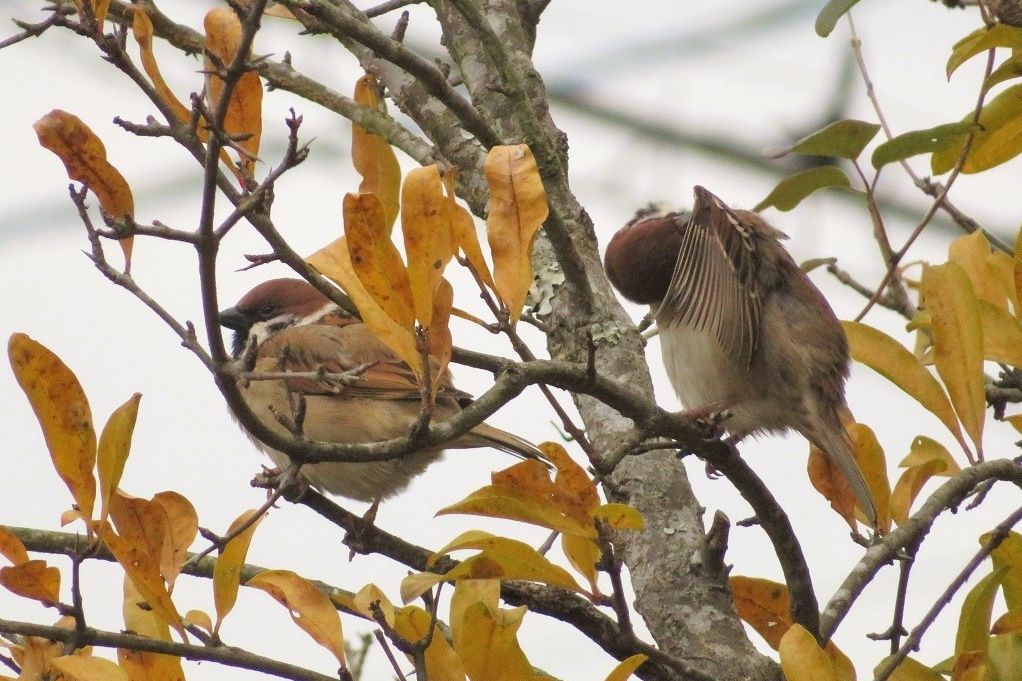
(355, 539)
(271, 478)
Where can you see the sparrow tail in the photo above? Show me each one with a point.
(836, 444)
(489, 436)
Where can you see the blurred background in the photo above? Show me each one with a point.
(654, 99)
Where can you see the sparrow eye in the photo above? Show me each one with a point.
(267, 311)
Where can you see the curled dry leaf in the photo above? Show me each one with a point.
(63, 412)
(84, 157)
(518, 207)
(373, 157)
(244, 116)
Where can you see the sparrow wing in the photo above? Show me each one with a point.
(336, 349)
(716, 286)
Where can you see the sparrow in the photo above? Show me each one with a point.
(742, 328)
(289, 326)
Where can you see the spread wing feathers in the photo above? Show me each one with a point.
(336, 349)
(715, 285)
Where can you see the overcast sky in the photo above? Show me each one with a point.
(693, 70)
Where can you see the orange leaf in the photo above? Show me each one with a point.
(518, 207)
(142, 30)
(491, 649)
(373, 157)
(182, 526)
(308, 606)
(463, 233)
(88, 668)
(802, 658)
(64, 415)
(426, 226)
(577, 492)
(84, 157)
(227, 571)
(244, 116)
(141, 522)
(438, 335)
(370, 594)
(114, 447)
(764, 605)
(333, 262)
(12, 548)
(376, 260)
(32, 579)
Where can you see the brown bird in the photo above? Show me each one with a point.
(742, 328)
(292, 327)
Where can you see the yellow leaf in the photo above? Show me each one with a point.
(142, 620)
(182, 526)
(244, 110)
(463, 232)
(88, 668)
(64, 415)
(763, 605)
(468, 592)
(333, 262)
(518, 207)
(890, 359)
(1002, 268)
(1008, 623)
(981, 40)
(12, 548)
(411, 623)
(438, 335)
(1000, 117)
(414, 585)
(1002, 335)
(957, 344)
(620, 517)
(114, 447)
(32, 579)
(84, 158)
(583, 554)
(972, 253)
(577, 492)
(308, 606)
(370, 594)
(372, 157)
(910, 670)
(974, 621)
(491, 651)
(802, 659)
(1008, 555)
(1004, 657)
(200, 619)
(499, 501)
(375, 259)
(227, 571)
(1017, 270)
(141, 522)
(426, 226)
(626, 667)
(924, 449)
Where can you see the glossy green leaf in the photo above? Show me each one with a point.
(828, 17)
(917, 142)
(791, 191)
(841, 139)
(981, 40)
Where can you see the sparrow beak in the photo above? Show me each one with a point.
(234, 319)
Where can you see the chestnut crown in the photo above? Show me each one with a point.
(640, 258)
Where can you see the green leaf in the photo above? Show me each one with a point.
(826, 20)
(790, 191)
(990, 146)
(981, 40)
(1011, 68)
(917, 142)
(1004, 657)
(841, 139)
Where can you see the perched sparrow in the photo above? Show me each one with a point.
(742, 328)
(292, 327)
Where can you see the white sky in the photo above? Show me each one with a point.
(760, 90)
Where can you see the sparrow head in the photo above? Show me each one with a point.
(641, 255)
(271, 307)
